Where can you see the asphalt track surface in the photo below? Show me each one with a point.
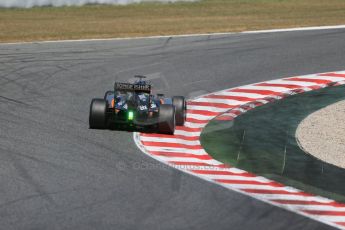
(56, 173)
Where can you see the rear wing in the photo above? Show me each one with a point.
(132, 87)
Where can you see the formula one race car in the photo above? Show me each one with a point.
(133, 106)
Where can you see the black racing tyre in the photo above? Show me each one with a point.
(106, 94)
(166, 119)
(98, 115)
(180, 109)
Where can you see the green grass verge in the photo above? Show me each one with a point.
(145, 19)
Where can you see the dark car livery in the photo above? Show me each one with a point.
(133, 105)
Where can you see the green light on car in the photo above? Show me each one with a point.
(130, 115)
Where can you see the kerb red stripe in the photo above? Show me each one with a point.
(340, 223)
(264, 191)
(211, 104)
(172, 145)
(332, 75)
(256, 91)
(226, 181)
(318, 81)
(228, 97)
(194, 120)
(308, 202)
(203, 112)
(191, 163)
(188, 129)
(176, 154)
(219, 172)
(181, 137)
(325, 213)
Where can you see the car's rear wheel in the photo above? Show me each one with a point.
(98, 115)
(180, 109)
(166, 119)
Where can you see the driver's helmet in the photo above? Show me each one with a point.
(124, 95)
(120, 100)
